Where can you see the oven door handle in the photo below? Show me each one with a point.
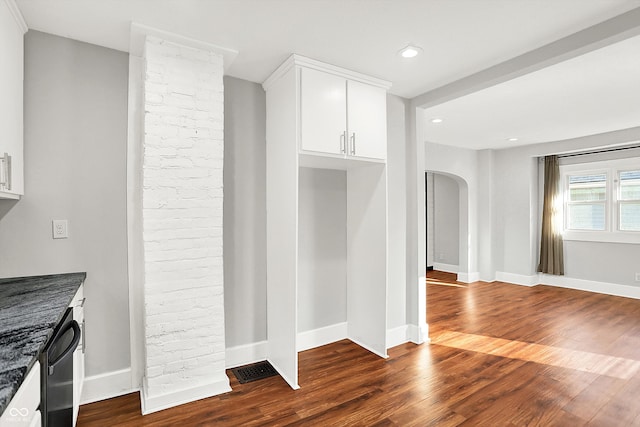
(70, 349)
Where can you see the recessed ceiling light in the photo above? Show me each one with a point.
(436, 120)
(512, 139)
(410, 51)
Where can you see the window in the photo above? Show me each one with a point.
(629, 201)
(602, 201)
(587, 202)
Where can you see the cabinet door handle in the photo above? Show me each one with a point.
(343, 142)
(5, 172)
(353, 144)
(82, 336)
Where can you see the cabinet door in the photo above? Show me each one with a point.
(11, 72)
(323, 112)
(367, 120)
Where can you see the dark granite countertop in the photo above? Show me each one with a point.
(30, 308)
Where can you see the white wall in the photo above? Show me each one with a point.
(245, 245)
(182, 225)
(446, 228)
(322, 248)
(75, 168)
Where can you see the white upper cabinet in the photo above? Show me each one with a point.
(367, 120)
(12, 29)
(341, 115)
(323, 112)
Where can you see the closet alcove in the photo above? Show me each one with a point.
(326, 211)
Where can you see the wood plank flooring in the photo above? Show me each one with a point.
(500, 355)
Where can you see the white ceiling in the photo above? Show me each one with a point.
(459, 38)
(594, 93)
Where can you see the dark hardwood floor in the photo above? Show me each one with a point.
(500, 355)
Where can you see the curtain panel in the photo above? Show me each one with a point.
(551, 245)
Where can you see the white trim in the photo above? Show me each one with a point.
(488, 278)
(107, 385)
(135, 251)
(5, 195)
(303, 61)
(366, 347)
(157, 403)
(611, 169)
(397, 336)
(469, 277)
(17, 15)
(321, 336)
(139, 32)
(245, 354)
(517, 279)
(605, 288)
(418, 334)
(293, 384)
(447, 268)
(590, 286)
(628, 237)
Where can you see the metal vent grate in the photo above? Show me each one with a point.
(254, 372)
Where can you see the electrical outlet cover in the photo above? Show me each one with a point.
(60, 229)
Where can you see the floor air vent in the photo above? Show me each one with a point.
(254, 372)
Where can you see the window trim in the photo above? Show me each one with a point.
(611, 233)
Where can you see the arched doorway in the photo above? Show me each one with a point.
(447, 222)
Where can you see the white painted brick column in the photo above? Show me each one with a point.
(182, 225)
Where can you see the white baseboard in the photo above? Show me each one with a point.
(397, 336)
(157, 403)
(590, 286)
(293, 384)
(469, 277)
(488, 279)
(245, 354)
(447, 268)
(106, 386)
(418, 334)
(606, 288)
(517, 279)
(321, 336)
(384, 355)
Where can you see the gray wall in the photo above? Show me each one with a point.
(446, 227)
(504, 211)
(397, 110)
(516, 212)
(322, 248)
(245, 246)
(75, 127)
(461, 164)
(430, 213)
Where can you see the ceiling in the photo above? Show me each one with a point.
(459, 38)
(594, 93)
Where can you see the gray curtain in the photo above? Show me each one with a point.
(551, 251)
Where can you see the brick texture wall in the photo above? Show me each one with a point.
(182, 217)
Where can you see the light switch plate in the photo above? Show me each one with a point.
(60, 229)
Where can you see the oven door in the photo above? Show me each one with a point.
(56, 402)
